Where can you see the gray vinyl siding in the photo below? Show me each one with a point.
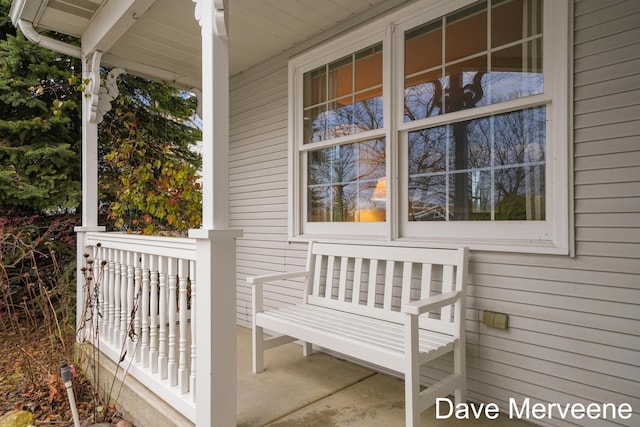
(574, 325)
(258, 161)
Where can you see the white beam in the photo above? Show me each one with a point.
(111, 22)
(169, 77)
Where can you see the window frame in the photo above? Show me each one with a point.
(551, 235)
(300, 227)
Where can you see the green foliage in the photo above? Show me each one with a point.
(40, 130)
(148, 173)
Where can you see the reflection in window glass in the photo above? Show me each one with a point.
(346, 183)
(449, 66)
(466, 32)
(343, 97)
(491, 168)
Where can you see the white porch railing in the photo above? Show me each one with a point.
(143, 313)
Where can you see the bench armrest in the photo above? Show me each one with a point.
(255, 280)
(256, 283)
(430, 304)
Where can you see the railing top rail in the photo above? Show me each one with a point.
(178, 247)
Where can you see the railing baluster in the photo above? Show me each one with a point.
(130, 286)
(106, 289)
(117, 298)
(153, 345)
(192, 377)
(162, 342)
(137, 280)
(124, 297)
(103, 278)
(183, 277)
(172, 314)
(94, 290)
(145, 311)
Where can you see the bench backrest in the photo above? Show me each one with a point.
(376, 281)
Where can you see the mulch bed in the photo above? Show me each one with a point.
(30, 377)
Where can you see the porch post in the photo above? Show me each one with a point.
(215, 305)
(89, 180)
(89, 147)
(215, 114)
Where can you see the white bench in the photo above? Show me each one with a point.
(394, 307)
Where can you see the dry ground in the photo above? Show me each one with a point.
(30, 376)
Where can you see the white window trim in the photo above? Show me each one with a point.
(550, 236)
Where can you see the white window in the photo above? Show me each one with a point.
(445, 123)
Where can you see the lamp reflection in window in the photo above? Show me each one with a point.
(378, 210)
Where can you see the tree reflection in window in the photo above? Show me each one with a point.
(491, 168)
(487, 53)
(342, 181)
(344, 97)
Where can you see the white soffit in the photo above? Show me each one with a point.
(167, 37)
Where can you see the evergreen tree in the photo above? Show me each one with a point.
(40, 130)
(40, 141)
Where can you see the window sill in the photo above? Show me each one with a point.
(488, 245)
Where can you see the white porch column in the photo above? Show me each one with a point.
(89, 149)
(215, 114)
(215, 305)
(215, 324)
(89, 183)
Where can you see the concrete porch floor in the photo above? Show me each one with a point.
(323, 391)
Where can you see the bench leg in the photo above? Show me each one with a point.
(258, 349)
(412, 374)
(307, 349)
(460, 368)
(412, 398)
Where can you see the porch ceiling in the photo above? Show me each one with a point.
(160, 39)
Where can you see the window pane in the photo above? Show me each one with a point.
(466, 32)
(347, 183)
(315, 86)
(368, 68)
(423, 48)
(339, 118)
(520, 193)
(428, 150)
(490, 168)
(315, 123)
(367, 111)
(464, 84)
(470, 196)
(516, 72)
(428, 198)
(344, 97)
(514, 20)
(423, 95)
(519, 137)
(341, 78)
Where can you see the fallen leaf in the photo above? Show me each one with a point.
(54, 393)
